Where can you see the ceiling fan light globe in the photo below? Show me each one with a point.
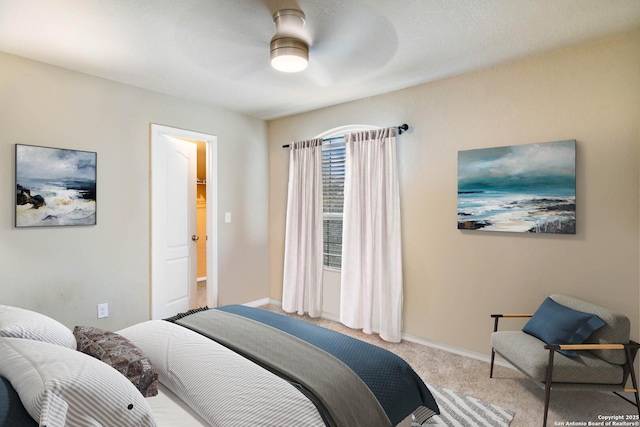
(289, 63)
(289, 55)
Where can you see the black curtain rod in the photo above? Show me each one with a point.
(401, 128)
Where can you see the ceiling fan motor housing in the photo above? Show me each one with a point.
(287, 45)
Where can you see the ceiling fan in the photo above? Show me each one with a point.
(338, 42)
(341, 41)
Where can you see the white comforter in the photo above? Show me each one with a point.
(219, 385)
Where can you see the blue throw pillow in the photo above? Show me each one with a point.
(554, 323)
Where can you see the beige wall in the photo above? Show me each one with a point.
(66, 272)
(453, 280)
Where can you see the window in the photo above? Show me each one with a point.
(333, 156)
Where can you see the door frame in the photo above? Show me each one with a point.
(211, 141)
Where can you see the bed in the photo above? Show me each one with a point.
(230, 366)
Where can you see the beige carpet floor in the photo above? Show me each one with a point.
(201, 295)
(509, 388)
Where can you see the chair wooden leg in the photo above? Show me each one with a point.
(493, 356)
(547, 387)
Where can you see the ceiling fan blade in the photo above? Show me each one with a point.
(213, 39)
(338, 43)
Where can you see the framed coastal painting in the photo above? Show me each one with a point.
(55, 187)
(527, 188)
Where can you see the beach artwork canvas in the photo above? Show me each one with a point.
(527, 188)
(54, 187)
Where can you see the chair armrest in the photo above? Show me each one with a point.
(511, 315)
(579, 347)
(496, 317)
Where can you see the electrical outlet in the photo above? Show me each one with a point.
(103, 310)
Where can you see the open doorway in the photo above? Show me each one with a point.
(183, 220)
(201, 223)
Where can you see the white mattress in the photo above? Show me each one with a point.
(170, 411)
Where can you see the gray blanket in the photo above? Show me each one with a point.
(342, 397)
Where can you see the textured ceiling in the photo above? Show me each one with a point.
(217, 51)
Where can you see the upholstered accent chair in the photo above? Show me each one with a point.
(570, 344)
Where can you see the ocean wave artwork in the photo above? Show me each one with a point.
(54, 187)
(528, 188)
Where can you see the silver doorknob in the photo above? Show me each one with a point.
(195, 238)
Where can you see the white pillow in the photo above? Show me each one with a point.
(20, 323)
(60, 387)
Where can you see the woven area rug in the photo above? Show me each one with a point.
(463, 411)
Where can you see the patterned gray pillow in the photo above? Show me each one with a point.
(120, 353)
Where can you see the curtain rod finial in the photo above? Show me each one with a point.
(402, 128)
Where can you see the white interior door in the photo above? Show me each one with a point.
(174, 249)
(173, 221)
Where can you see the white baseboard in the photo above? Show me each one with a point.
(258, 303)
(421, 341)
(331, 316)
(462, 352)
(275, 302)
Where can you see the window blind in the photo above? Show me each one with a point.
(333, 160)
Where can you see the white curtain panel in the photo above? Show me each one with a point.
(302, 285)
(371, 282)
